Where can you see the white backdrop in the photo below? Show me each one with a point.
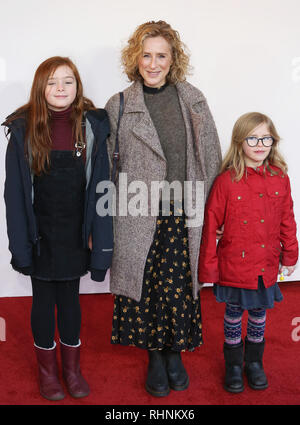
(245, 55)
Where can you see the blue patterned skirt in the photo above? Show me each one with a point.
(249, 299)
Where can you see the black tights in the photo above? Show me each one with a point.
(65, 296)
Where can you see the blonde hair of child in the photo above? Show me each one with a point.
(234, 159)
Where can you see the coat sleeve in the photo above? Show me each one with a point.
(288, 231)
(211, 145)
(208, 267)
(112, 108)
(102, 227)
(20, 245)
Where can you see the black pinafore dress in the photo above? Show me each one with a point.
(59, 209)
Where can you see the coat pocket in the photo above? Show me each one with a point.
(276, 197)
(237, 215)
(235, 263)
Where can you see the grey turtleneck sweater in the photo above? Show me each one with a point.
(165, 111)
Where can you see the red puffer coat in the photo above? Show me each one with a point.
(259, 230)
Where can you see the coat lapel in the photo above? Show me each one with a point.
(190, 100)
(144, 128)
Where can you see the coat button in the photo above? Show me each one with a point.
(262, 245)
(239, 197)
(261, 195)
(262, 269)
(276, 193)
(262, 220)
(245, 221)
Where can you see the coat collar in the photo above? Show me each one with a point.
(192, 100)
(262, 171)
(189, 97)
(144, 129)
(136, 103)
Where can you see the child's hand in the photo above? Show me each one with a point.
(289, 270)
(90, 242)
(220, 232)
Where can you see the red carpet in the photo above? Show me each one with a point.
(116, 374)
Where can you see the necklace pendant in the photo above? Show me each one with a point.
(78, 153)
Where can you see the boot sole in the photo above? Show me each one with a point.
(157, 393)
(76, 395)
(253, 386)
(180, 387)
(79, 395)
(57, 398)
(258, 387)
(234, 390)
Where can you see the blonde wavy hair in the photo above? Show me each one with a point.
(234, 159)
(132, 52)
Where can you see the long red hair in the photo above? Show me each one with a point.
(37, 114)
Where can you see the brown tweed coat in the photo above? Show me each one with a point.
(142, 158)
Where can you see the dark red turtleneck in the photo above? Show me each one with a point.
(61, 130)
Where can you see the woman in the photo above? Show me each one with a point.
(55, 157)
(166, 134)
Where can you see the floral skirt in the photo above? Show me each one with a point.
(167, 314)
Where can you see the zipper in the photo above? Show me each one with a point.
(93, 160)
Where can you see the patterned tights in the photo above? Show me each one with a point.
(233, 324)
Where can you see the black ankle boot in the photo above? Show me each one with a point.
(254, 370)
(157, 383)
(178, 377)
(233, 355)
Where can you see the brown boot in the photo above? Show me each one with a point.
(76, 384)
(50, 387)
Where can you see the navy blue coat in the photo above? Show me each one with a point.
(21, 222)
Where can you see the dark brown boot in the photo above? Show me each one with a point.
(50, 387)
(76, 384)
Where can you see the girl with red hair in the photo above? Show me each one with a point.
(55, 157)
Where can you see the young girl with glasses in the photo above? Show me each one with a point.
(252, 199)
